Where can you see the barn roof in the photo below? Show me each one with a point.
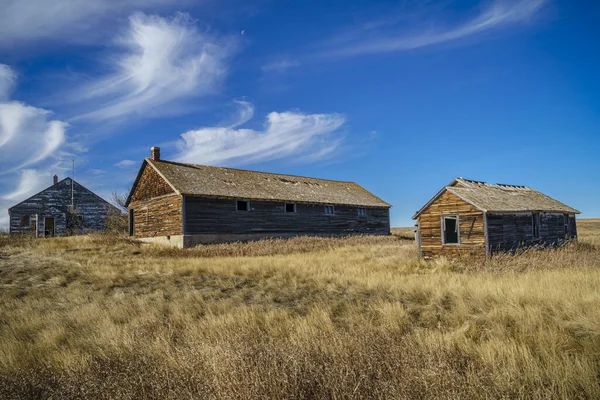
(202, 180)
(501, 198)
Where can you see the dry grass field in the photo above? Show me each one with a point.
(104, 317)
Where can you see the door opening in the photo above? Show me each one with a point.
(48, 227)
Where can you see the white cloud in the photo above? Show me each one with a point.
(64, 20)
(8, 79)
(280, 65)
(28, 136)
(126, 164)
(498, 14)
(286, 134)
(29, 182)
(163, 62)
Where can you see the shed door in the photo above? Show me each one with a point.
(48, 227)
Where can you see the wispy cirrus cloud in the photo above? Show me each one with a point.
(29, 137)
(23, 21)
(126, 163)
(161, 63)
(285, 134)
(395, 34)
(27, 134)
(8, 79)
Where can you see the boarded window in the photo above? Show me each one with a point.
(329, 210)
(243, 205)
(362, 212)
(290, 207)
(535, 221)
(25, 220)
(450, 228)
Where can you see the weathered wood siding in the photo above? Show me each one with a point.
(471, 223)
(507, 232)
(55, 202)
(161, 216)
(151, 185)
(219, 216)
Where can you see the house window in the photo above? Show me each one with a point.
(450, 229)
(25, 220)
(566, 219)
(243, 205)
(329, 210)
(290, 207)
(535, 221)
(362, 212)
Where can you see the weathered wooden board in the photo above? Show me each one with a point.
(219, 216)
(471, 226)
(160, 216)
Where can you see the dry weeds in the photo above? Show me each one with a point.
(105, 317)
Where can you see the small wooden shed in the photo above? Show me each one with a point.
(470, 217)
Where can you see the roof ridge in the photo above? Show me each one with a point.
(249, 170)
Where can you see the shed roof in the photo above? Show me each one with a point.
(501, 198)
(202, 180)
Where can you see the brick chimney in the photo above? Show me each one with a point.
(54, 180)
(155, 153)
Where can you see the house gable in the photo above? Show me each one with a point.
(149, 184)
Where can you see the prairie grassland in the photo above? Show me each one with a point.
(105, 317)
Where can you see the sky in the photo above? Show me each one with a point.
(398, 96)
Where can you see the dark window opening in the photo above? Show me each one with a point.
(290, 207)
(566, 219)
(450, 228)
(362, 212)
(329, 210)
(25, 220)
(243, 205)
(536, 225)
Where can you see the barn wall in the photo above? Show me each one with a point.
(219, 216)
(508, 232)
(161, 216)
(471, 223)
(56, 201)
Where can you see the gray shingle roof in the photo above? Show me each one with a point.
(202, 180)
(502, 198)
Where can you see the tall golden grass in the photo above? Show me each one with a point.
(362, 317)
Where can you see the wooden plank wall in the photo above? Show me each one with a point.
(54, 202)
(151, 185)
(161, 216)
(219, 216)
(508, 232)
(472, 235)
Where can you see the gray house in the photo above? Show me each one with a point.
(187, 204)
(64, 208)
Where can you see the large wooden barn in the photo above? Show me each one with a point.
(64, 208)
(476, 218)
(187, 204)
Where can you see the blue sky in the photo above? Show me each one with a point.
(398, 96)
